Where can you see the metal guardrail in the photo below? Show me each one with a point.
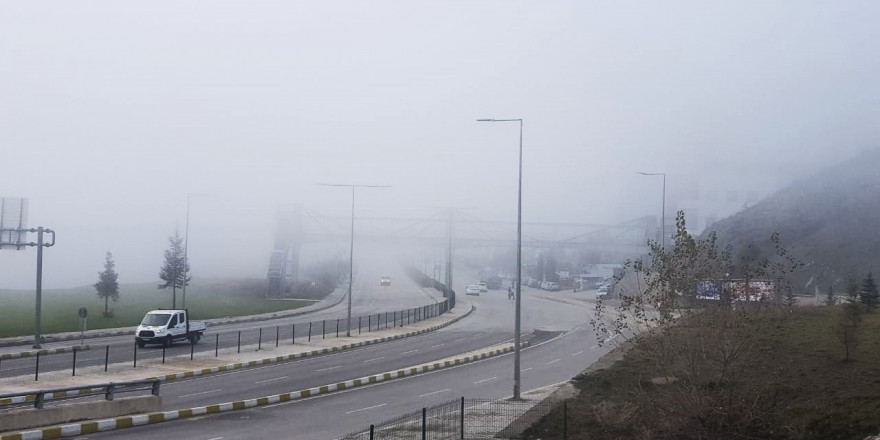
(108, 390)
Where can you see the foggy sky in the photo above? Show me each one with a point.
(111, 112)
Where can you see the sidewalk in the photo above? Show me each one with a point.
(228, 359)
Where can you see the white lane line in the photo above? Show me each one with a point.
(215, 438)
(329, 368)
(411, 351)
(376, 359)
(364, 409)
(459, 339)
(198, 394)
(594, 347)
(486, 380)
(575, 354)
(437, 345)
(553, 361)
(434, 392)
(525, 369)
(271, 380)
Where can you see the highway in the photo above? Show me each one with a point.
(333, 415)
(368, 298)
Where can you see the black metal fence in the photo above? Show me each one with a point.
(464, 418)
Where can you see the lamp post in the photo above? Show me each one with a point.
(186, 244)
(351, 249)
(516, 344)
(663, 212)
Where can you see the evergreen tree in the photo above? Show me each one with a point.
(830, 300)
(868, 294)
(175, 269)
(107, 285)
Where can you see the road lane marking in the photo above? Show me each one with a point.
(553, 361)
(525, 369)
(434, 392)
(364, 409)
(329, 368)
(575, 354)
(215, 438)
(459, 339)
(198, 394)
(486, 380)
(437, 345)
(411, 351)
(271, 380)
(376, 359)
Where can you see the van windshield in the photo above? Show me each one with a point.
(155, 319)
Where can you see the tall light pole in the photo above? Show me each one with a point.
(516, 344)
(186, 244)
(663, 212)
(351, 249)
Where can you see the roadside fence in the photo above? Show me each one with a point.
(465, 418)
(38, 398)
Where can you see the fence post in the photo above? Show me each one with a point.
(106, 357)
(462, 418)
(216, 343)
(424, 423)
(310, 331)
(565, 420)
(260, 340)
(108, 395)
(395, 318)
(74, 362)
(369, 323)
(372, 428)
(38, 402)
(135, 364)
(163, 353)
(323, 328)
(359, 324)
(277, 334)
(155, 389)
(337, 327)
(192, 350)
(293, 334)
(239, 341)
(37, 369)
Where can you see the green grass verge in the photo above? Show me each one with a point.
(205, 299)
(806, 388)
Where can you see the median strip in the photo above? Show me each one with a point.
(45, 352)
(87, 427)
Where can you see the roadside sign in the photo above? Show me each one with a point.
(83, 317)
(83, 312)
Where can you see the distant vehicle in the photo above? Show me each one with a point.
(385, 281)
(483, 287)
(602, 292)
(166, 326)
(533, 283)
(493, 283)
(473, 289)
(553, 287)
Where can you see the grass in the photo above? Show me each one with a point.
(204, 298)
(817, 394)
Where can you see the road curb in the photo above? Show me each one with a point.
(241, 365)
(92, 426)
(33, 353)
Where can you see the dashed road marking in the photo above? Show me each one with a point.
(198, 394)
(575, 354)
(329, 368)
(486, 380)
(525, 369)
(553, 361)
(376, 359)
(437, 345)
(434, 392)
(411, 351)
(367, 408)
(271, 380)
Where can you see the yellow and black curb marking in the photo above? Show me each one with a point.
(89, 427)
(33, 353)
(239, 365)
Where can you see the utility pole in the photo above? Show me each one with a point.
(40, 244)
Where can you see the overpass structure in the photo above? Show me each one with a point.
(297, 226)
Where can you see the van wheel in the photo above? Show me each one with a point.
(167, 341)
(141, 344)
(194, 339)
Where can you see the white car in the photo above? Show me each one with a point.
(483, 286)
(473, 289)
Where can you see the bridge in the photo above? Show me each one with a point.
(297, 226)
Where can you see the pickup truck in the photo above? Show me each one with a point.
(166, 326)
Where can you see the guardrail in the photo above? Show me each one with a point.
(109, 390)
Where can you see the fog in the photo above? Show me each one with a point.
(112, 112)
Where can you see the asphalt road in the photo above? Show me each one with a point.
(333, 415)
(374, 303)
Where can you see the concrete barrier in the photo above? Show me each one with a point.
(30, 418)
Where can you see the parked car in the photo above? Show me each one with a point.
(553, 287)
(483, 287)
(385, 281)
(473, 289)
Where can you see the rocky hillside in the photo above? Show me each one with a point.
(831, 221)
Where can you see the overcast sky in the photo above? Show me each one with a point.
(111, 112)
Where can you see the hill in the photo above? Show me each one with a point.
(831, 221)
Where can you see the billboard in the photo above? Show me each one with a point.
(13, 219)
(710, 290)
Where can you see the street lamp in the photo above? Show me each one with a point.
(351, 251)
(516, 344)
(663, 213)
(186, 244)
